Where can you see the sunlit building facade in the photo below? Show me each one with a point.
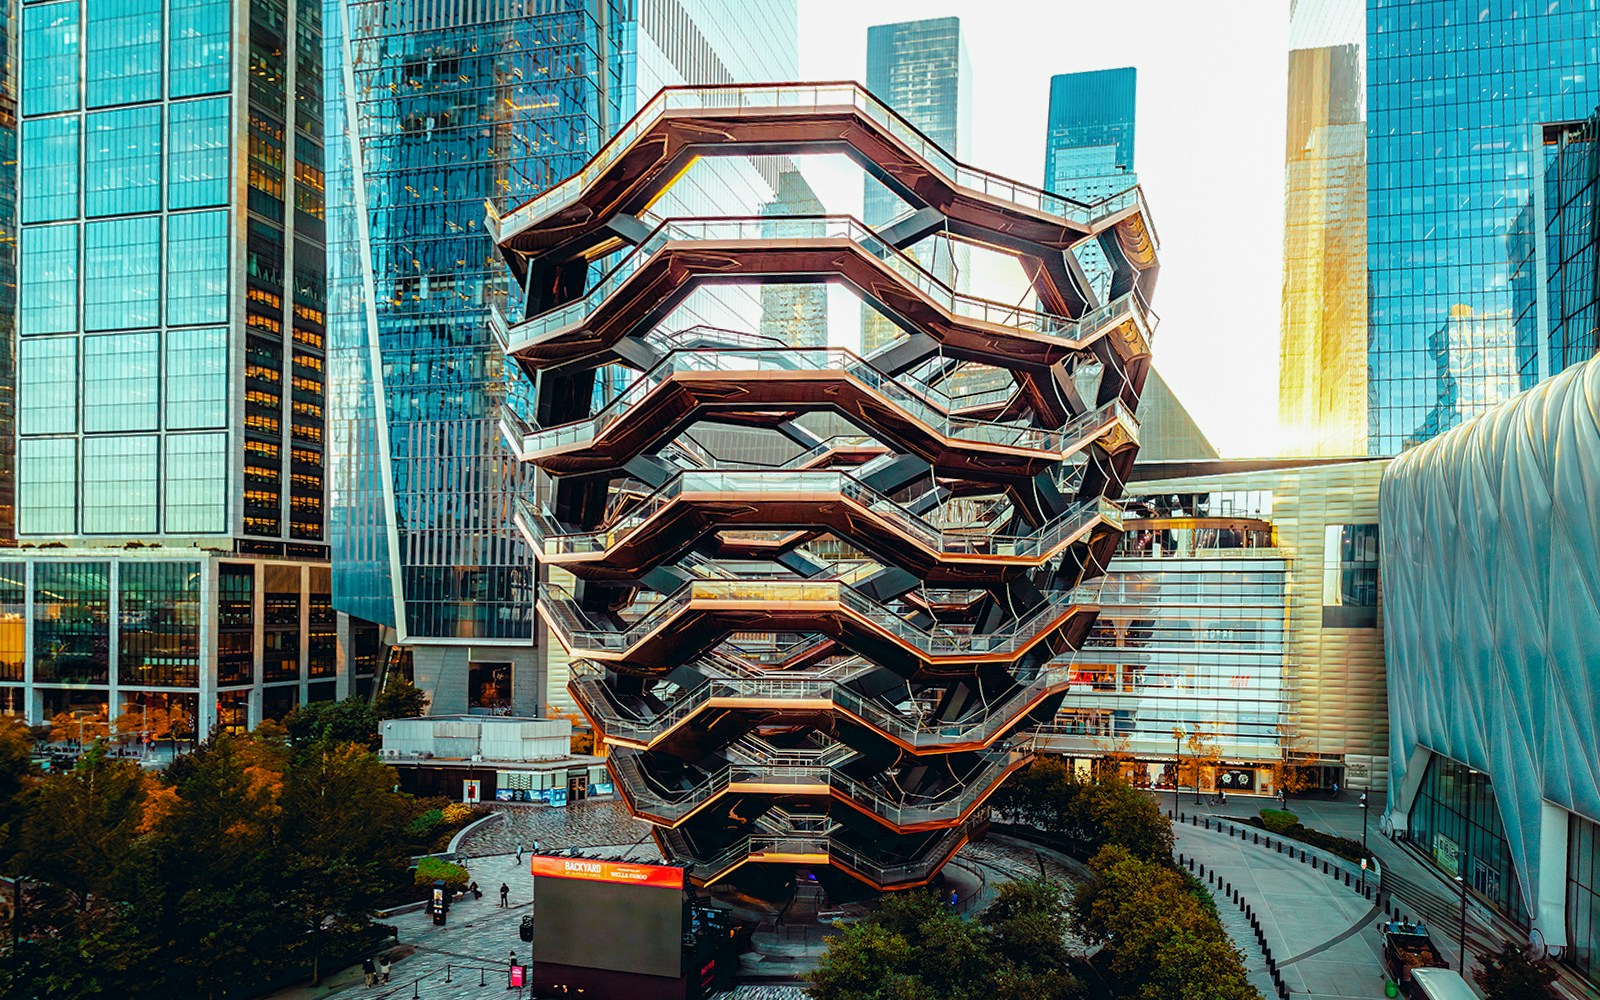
(1322, 394)
(1457, 98)
(451, 106)
(1490, 593)
(1243, 609)
(170, 365)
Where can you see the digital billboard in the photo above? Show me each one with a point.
(608, 915)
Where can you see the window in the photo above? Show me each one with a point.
(196, 481)
(13, 619)
(198, 49)
(71, 622)
(1583, 895)
(50, 69)
(197, 268)
(197, 153)
(47, 386)
(1350, 576)
(122, 161)
(158, 624)
(197, 378)
(119, 485)
(124, 52)
(47, 486)
(121, 273)
(121, 382)
(47, 292)
(235, 623)
(50, 169)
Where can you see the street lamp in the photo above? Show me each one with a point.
(1363, 823)
(1462, 968)
(1177, 766)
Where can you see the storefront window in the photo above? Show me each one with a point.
(71, 622)
(158, 630)
(13, 614)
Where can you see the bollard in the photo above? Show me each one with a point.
(480, 977)
(447, 972)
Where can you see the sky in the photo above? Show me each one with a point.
(1208, 149)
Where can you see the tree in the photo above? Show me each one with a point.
(1201, 755)
(1158, 940)
(16, 765)
(1295, 771)
(1509, 974)
(582, 735)
(81, 728)
(349, 721)
(1028, 924)
(400, 699)
(1082, 815)
(80, 826)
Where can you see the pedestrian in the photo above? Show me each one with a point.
(383, 967)
(1335, 789)
(505, 894)
(519, 855)
(369, 972)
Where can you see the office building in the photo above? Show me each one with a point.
(172, 547)
(1458, 97)
(1322, 393)
(1242, 605)
(1088, 152)
(451, 106)
(1491, 595)
(810, 646)
(919, 69)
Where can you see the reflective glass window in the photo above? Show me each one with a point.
(196, 474)
(50, 63)
(47, 486)
(199, 33)
(1583, 895)
(124, 52)
(121, 273)
(71, 622)
(121, 381)
(122, 161)
(1350, 565)
(13, 620)
(236, 584)
(197, 268)
(47, 292)
(197, 153)
(119, 485)
(50, 169)
(197, 378)
(158, 624)
(47, 387)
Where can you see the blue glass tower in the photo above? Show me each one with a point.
(1457, 94)
(1088, 151)
(433, 110)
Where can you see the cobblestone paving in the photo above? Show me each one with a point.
(587, 825)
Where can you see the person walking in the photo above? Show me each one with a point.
(383, 967)
(369, 972)
(519, 855)
(505, 894)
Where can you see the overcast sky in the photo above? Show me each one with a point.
(1209, 151)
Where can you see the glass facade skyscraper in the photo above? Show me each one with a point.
(1457, 97)
(921, 70)
(1322, 398)
(435, 109)
(1088, 151)
(169, 363)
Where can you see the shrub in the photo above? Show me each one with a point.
(1344, 847)
(431, 869)
(457, 813)
(425, 822)
(1278, 821)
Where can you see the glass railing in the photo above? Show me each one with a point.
(819, 97)
(579, 632)
(1075, 333)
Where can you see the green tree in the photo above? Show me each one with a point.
(80, 826)
(349, 721)
(1509, 974)
(1083, 814)
(400, 699)
(16, 772)
(1028, 924)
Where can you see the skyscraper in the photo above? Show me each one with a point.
(1088, 151)
(1322, 397)
(169, 366)
(453, 105)
(1457, 98)
(921, 70)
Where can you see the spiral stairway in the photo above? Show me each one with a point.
(831, 658)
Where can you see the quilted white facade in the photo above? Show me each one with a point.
(1491, 582)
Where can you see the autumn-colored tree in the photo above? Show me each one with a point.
(1295, 771)
(82, 727)
(1117, 756)
(583, 740)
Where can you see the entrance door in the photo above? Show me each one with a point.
(577, 786)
